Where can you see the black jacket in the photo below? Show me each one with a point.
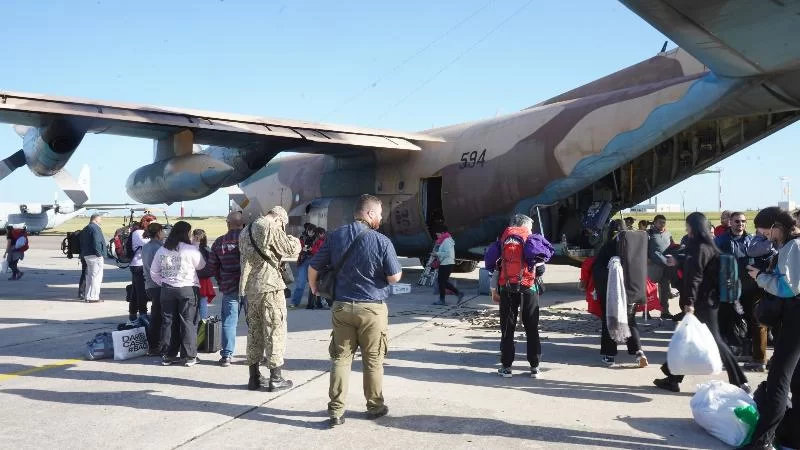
(700, 276)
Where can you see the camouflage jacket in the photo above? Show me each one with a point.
(259, 275)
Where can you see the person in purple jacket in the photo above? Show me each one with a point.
(536, 251)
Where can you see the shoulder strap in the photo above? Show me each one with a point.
(253, 242)
(338, 266)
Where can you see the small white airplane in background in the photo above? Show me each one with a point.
(37, 217)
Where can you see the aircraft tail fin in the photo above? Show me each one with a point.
(734, 38)
(76, 190)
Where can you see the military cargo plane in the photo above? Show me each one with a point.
(599, 148)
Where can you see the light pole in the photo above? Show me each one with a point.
(719, 183)
(683, 204)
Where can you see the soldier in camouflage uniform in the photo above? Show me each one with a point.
(263, 286)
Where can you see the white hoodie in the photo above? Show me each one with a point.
(177, 268)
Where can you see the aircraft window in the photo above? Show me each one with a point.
(297, 198)
(401, 185)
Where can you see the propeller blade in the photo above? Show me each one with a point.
(12, 163)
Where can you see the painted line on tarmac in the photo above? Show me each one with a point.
(22, 373)
(310, 380)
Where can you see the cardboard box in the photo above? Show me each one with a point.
(401, 288)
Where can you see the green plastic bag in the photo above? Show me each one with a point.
(749, 416)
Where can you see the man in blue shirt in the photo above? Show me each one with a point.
(92, 251)
(360, 315)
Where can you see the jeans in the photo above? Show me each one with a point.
(179, 305)
(139, 302)
(82, 282)
(300, 282)
(203, 305)
(444, 281)
(230, 321)
(509, 309)
(783, 376)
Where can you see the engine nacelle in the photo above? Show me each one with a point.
(65, 209)
(48, 149)
(31, 208)
(244, 162)
(177, 179)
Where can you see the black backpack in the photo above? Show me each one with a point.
(71, 245)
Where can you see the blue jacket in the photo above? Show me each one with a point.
(92, 241)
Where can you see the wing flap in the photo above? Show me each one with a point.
(209, 128)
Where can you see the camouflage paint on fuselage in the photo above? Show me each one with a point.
(492, 168)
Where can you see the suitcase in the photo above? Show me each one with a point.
(211, 332)
(596, 216)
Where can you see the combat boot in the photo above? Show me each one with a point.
(256, 380)
(276, 380)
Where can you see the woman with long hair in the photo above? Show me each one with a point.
(700, 296)
(174, 268)
(156, 235)
(206, 291)
(781, 280)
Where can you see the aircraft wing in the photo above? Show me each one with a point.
(734, 38)
(208, 128)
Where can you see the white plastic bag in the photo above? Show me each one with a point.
(4, 266)
(692, 349)
(713, 408)
(129, 343)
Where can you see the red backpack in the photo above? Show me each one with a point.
(515, 275)
(18, 233)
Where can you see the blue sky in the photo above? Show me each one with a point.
(404, 65)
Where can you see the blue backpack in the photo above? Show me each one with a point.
(730, 286)
(101, 347)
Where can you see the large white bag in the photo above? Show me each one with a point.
(129, 343)
(692, 350)
(714, 408)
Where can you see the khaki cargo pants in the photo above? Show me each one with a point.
(266, 328)
(357, 325)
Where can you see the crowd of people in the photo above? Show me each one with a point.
(173, 273)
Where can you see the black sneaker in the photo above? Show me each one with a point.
(666, 384)
(335, 421)
(168, 360)
(190, 362)
(380, 412)
(504, 372)
(225, 361)
(534, 372)
(607, 360)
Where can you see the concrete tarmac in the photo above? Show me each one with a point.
(440, 378)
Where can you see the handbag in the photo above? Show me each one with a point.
(326, 282)
(769, 310)
(282, 268)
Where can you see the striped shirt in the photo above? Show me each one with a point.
(223, 262)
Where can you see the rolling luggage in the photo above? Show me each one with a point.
(209, 335)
